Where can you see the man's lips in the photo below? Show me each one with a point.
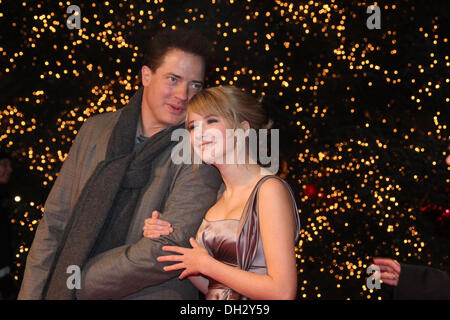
(175, 108)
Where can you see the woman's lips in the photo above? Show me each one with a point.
(204, 145)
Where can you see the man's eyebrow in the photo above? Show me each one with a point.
(173, 75)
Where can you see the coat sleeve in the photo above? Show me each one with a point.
(420, 282)
(50, 229)
(127, 269)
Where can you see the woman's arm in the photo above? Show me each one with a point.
(200, 282)
(277, 227)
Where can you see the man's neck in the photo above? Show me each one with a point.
(147, 128)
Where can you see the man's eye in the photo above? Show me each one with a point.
(191, 127)
(172, 79)
(197, 86)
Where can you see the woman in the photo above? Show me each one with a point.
(244, 247)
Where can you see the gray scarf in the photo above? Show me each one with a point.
(103, 212)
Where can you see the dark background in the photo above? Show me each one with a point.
(363, 114)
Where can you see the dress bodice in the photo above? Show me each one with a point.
(219, 238)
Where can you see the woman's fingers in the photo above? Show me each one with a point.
(183, 275)
(177, 266)
(176, 257)
(176, 249)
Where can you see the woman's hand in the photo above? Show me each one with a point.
(390, 270)
(192, 260)
(155, 227)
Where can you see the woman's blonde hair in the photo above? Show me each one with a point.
(230, 103)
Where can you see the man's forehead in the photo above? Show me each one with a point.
(176, 60)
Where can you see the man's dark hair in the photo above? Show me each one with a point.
(187, 40)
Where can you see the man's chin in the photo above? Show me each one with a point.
(174, 121)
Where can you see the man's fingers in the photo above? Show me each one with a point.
(157, 228)
(152, 235)
(155, 214)
(152, 221)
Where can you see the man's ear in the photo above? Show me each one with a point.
(146, 74)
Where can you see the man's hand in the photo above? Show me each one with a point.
(155, 227)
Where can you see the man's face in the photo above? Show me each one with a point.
(168, 89)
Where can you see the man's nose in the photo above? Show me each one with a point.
(181, 92)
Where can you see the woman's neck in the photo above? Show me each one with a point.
(238, 177)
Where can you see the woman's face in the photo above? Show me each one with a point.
(209, 136)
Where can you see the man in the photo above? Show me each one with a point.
(117, 173)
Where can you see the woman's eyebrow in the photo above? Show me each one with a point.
(206, 117)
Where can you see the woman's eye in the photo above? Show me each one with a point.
(212, 120)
